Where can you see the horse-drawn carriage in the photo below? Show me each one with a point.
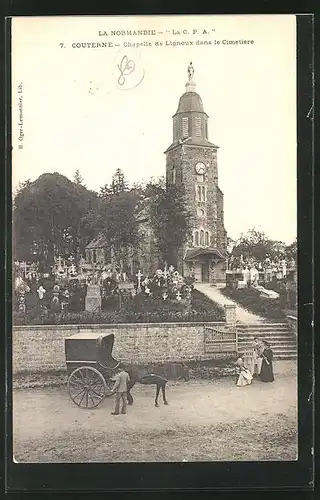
(90, 367)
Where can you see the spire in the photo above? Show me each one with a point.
(190, 85)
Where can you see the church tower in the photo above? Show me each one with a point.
(191, 160)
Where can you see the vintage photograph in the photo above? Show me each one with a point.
(154, 271)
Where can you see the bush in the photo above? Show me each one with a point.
(250, 299)
(140, 310)
(212, 369)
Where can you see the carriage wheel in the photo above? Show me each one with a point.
(87, 387)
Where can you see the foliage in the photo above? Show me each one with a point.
(169, 218)
(258, 246)
(255, 244)
(291, 250)
(203, 310)
(119, 183)
(77, 178)
(249, 298)
(213, 369)
(116, 220)
(47, 218)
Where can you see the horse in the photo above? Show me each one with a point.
(148, 376)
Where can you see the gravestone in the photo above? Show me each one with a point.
(93, 298)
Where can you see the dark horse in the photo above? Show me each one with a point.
(148, 376)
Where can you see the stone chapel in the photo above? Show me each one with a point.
(191, 159)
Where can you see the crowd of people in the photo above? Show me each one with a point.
(255, 363)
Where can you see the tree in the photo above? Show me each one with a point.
(77, 178)
(291, 251)
(117, 220)
(105, 191)
(117, 216)
(256, 245)
(253, 245)
(119, 183)
(169, 218)
(48, 218)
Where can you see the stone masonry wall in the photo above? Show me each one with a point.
(41, 348)
(184, 158)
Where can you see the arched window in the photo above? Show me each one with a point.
(201, 238)
(185, 126)
(196, 239)
(203, 193)
(206, 239)
(199, 193)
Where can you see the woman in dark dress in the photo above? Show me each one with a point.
(266, 373)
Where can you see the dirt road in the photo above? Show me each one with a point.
(205, 420)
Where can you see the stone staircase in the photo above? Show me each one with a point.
(282, 340)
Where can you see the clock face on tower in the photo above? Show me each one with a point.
(200, 168)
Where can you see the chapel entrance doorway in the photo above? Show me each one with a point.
(205, 272)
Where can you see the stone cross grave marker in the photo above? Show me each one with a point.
(139, 276)
(41, 291)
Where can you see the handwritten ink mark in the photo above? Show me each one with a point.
(125, 67)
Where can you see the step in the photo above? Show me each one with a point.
(275, 348)
(277, 333)
(279, 345)
(270, 338)
(286, 356)
(260, 328)
(276, 338)
(265, 330)
(247, 326)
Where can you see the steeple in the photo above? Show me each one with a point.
(190, 122)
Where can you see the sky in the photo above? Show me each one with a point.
(77, 115)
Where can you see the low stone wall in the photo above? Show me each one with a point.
(293, 324)
(41, 348)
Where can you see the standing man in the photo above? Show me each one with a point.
(120, 388)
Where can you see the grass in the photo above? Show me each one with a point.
(249, 298)
(264, 438)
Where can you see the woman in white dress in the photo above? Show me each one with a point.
(244, 376)
(257, 360)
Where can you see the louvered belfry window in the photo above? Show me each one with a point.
(198, 126)
(175, 132)
(185, 127)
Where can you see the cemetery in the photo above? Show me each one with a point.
(267, 288)
(95, 294)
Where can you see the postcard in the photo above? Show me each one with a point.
(154, 239)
